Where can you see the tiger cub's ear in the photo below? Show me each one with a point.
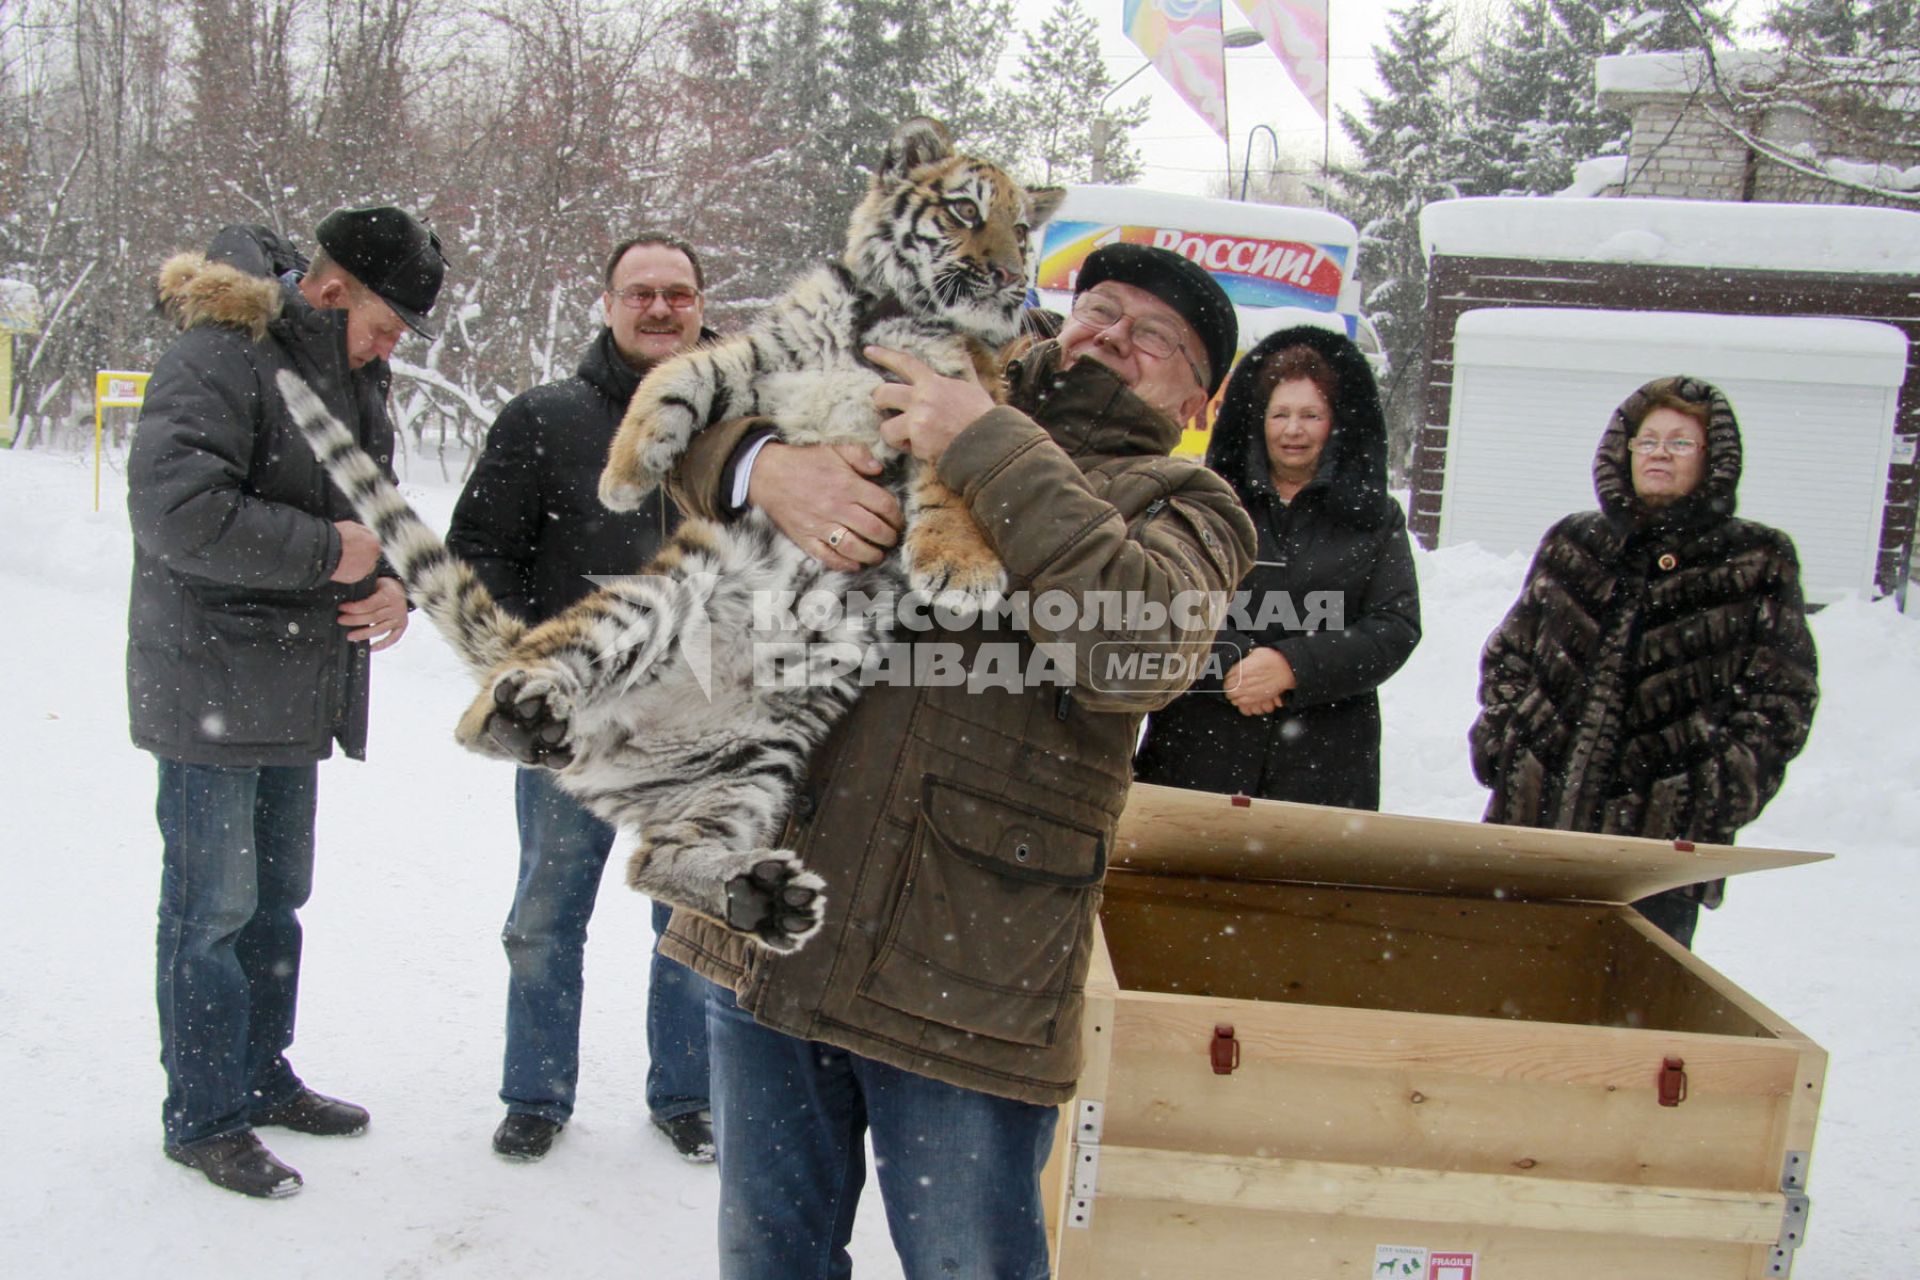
(1045, 202)
(921, 140)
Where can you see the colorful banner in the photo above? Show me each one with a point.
(1183, 39)
(1255, 272)
(1296, 30)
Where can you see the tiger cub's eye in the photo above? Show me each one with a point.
(965, 210)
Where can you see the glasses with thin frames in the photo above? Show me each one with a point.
(639, 297)
(1151, 336)
(1646, 446)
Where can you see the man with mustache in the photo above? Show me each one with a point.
(531, 524)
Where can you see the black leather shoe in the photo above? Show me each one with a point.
(238, 1162)
(525, 1137)
(691, 1135)
(315, 1113)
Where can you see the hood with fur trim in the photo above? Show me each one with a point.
(235, 283)
(1353, 467)
(1714, 498)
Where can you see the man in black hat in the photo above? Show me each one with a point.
(257, 600)
(963, 825)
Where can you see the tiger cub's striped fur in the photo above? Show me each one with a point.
(936, 265)
(645, 698)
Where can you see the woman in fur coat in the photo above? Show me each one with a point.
(1656, 674)
(1288, 709)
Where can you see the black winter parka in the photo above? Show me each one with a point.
(530, 520)
(235, 655)
(1333, 590)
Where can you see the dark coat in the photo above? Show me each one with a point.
(530, 520)
(234, 652)
(1656, 674)
(1342, 538)
(964, 832)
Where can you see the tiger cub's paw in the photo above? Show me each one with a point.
(531, 719)
(777, 901)
(947, 558)
(649, 443)
(961, 585)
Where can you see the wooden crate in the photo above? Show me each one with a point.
(1448, 1045)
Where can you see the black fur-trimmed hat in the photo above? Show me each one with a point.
(1182, 284)
(391, 253)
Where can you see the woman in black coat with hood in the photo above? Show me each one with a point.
(1287, 709)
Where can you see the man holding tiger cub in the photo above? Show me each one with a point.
(964, 832)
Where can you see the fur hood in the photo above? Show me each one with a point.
(1353, 468)
(1710, 503)
(235, 283)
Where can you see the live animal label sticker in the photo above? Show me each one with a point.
(1399, 1262)
(1450, 1266)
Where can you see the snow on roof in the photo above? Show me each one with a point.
(19, 305)
(1591, 177)
(1137, 206)
(1886, 176)
(1621, 77)
(1860, 352)
(1844, 239)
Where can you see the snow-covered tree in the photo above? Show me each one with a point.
(1843, 28)
(1411, 149)
(1848, 85)
(1535, 113)
(1057, 102)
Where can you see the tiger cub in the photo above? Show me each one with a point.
(652, 699)
(936, 265)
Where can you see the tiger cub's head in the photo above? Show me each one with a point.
(946, 234)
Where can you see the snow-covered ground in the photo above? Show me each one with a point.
(404, 979)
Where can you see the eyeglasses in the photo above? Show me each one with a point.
(1154, 337)
(677, 296)
(1646, 446)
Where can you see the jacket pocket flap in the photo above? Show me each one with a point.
(1011, 839)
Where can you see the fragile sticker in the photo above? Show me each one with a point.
(1399, 1262)
(1450, 1266)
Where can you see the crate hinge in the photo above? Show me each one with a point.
(1088, 1118)
(1793, 1224)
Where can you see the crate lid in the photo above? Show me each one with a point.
(1199, 833)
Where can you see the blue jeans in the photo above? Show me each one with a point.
(959, 1170)
(563, 850)
(238, 866)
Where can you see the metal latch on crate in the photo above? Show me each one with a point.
(1087, 1120)
(1793, 1223)
(1673, 1082)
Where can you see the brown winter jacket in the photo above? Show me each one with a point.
(963, 835)
(1656, 674)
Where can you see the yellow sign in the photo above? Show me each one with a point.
(113, 389)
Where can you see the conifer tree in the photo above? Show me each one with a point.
(1844, 28)
(1535, 113)
(1412, 150)
(1058, 98)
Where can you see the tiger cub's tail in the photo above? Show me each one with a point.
(438, 581)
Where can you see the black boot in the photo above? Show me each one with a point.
(691, 1135)
(315, 1113)
(238, 1162)
(525, 1137)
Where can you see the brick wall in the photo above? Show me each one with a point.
(1678, 153)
